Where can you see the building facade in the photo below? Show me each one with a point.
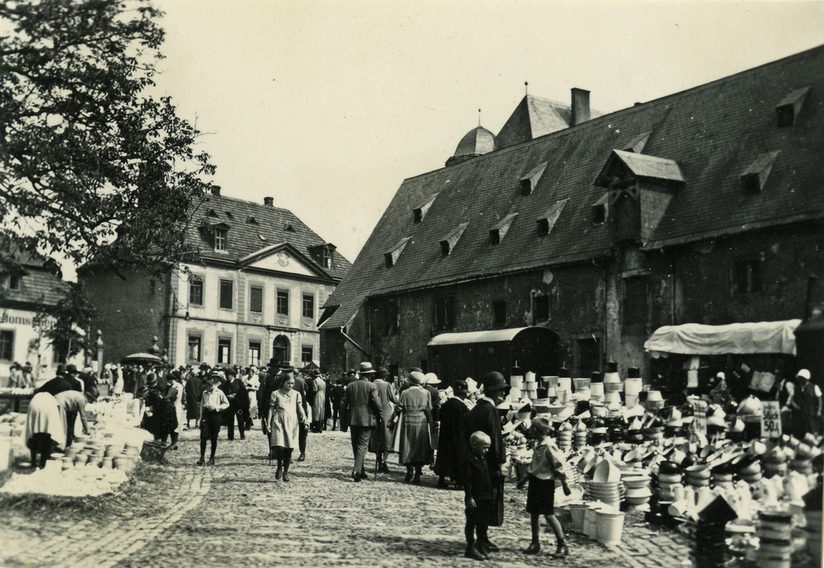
(704, 206)
(253, 294)
(34, 283)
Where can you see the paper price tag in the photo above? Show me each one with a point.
(771, 419)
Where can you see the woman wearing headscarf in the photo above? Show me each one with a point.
(45, 429)
(415, 406)
(286, 414)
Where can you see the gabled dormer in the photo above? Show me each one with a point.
(531, 179)
(391, 256)
(547, 221)
(418, 213)
(500, 229)
(754, 177)
(788, 108)
(640, 188)
(323, 254)
(451, 239)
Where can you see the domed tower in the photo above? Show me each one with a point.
(477, 141)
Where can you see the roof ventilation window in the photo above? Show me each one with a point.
(600, 210)
(638, 143)
(789, 107)
(420, 212)
(252, 221)
(530, 180)
(449, 241)
(499, 231)
(212, 213)
(754, 178)
(391, 256)
(289, 227)
(547, 221)
(229, 215)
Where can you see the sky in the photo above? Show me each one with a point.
(327, 106)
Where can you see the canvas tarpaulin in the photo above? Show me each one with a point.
(735, 338)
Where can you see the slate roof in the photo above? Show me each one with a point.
(272, 226)
(38, 282)
(534, 117)
(713, 132)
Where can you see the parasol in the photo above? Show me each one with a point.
(145, 358)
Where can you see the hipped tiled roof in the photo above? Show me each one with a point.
(272, 226)
(713, 132)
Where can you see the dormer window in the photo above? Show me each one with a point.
(212, 213)
(220, 238)
(499, 231)
(547, 221)
(754, 178)
(323, 254)
(252, 221)
(788, 108)
(391, 256)
(449, 241)
(289, 228)
(531, 179)
(420, 212)
(637, 144)
(600, 210)
(229, 215)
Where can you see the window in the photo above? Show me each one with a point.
(14, 281)
(499, 313)
(391, 320)
(6, 345)
(635, 304)
(283, 302)
(309, 306)
(220, 239)
(746, 277)
(194, 348)
(325, 257)
(540, 309)
(280, 349)
(306, 354)
(445, 312)
(254, 353)
(196, 291)
(226, 294)
(256, 299)
(224, 350)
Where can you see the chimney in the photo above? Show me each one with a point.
(580, 106)
(270, 201)
(216, 190)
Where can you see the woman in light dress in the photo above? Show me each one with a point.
(285, 416)
(175, 396)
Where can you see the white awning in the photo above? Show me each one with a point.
(735, 338)
(487, 336)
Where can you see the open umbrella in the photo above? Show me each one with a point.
(144, 358)
(311, 366)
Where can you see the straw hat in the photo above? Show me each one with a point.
(432, 379)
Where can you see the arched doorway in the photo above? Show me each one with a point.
(280, 349)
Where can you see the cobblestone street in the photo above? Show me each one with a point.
(235, 512)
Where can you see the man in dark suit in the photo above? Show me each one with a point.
(303, 432)
(362, 409)
(484, 418)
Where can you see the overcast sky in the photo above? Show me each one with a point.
(328, 105)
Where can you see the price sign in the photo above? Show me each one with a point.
(699, 422)
(770, 419)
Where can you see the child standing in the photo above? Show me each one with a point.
(546, 466)
(478, 495)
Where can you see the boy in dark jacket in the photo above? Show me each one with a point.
(478, 495)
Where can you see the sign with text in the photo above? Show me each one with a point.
(770, 419)
(699, 423)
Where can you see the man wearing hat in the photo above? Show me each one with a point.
(362, 410)
(71, 374)
(806, 405)
(484, 418)
(382, 434)
(300, 386)
(213, 403)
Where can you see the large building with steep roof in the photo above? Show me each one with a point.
(253, 293)
(703, 206)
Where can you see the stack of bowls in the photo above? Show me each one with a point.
(565, 436)
(802, 462)
(774, 462)
(654, 434)
(655, 400)
(580, 435)
(638, 492)
(698, 475)
(722, 476)
(669, 477)
(774, 538)
(749, 469)
(608, 492)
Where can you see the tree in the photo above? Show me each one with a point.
(66, 323)
(92, 167)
